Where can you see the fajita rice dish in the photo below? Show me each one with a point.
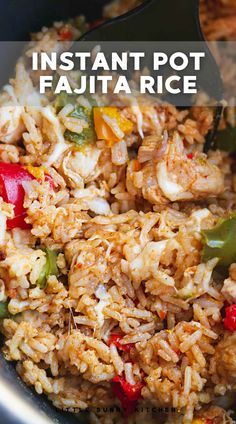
(117, 247)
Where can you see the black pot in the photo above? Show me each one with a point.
(19, 404)
(19, 18)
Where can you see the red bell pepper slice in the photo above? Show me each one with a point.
(128, 394)
(65, 34)
(115, 339)
(230, 318)
(12, 176)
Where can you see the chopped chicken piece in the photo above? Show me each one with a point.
(80, 167)
(229, 290)
(225, 356)
(169, 174)
(11, 125)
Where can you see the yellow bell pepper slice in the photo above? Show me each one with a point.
(38, 172)
(110, 125)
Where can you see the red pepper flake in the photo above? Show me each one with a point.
(208, 421)
(230, 318)
(115, 339)
(189, 155)
(49, 179)
(79, 265)
(128, 394)
(65, 34)
(162, 315)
